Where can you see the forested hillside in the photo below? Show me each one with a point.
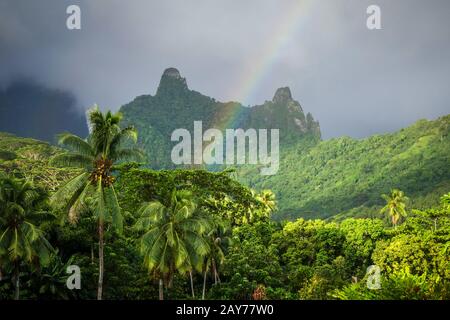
(29, 158)
(137, 233)
(346, 174)
(175, 106)
(316, 178)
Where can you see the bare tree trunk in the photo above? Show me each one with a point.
(192, 284)
(100, 260)
(204, 284)
(16, 280)
(218, 278)
(161, 289)
(216, 275)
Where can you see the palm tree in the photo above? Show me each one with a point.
(51, 281)
(395, 205)
(219, 239)
(106, 145)
(267, 199)
(264, 205)
(173, 236)
(21, 240)
(193, 263)
(445, 202)
(439, 213)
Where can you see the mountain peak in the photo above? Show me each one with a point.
(282, 95)
(171, 82)
(172, 72)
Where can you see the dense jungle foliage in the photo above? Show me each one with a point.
(137, 233)
(346, 176)
(341, 177)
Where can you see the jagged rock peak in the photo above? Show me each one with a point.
(172, 72)
(172, 82)
(282, 95)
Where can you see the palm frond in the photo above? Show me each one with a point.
(150, 213)
(75, 144)
(126, 135)
(66, 196)
(79, 205)
(181, 253)
(72, 160)
(112, 206)
(99, 198)
(133, 154)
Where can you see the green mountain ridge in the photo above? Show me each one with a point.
(336, 178)
(175, 106)
(348, 175)
(316, 178)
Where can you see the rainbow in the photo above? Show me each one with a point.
(257, 69)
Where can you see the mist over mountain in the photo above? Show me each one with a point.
(29, 109)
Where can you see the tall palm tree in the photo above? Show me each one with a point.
(219, 239)
(194, 263)
(395, 205)
(173, 236)
(107, 144)
(21, 240)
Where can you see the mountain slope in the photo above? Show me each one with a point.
(316, 178)
(29, 158)
(340, 177)
(175, 106)
(346, 174)
(334, 178)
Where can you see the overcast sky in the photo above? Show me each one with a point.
(355, 81)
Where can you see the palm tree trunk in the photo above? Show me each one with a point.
(212, 268)
(213, 262)
(216, 276)
(161, 289)
(16, 281)
(204, 284)
(100, 260)
(192, 284)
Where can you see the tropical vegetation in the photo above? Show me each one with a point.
(138, 233)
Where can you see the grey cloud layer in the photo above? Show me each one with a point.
(354, 81)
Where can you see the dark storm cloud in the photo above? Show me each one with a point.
(354, 81)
